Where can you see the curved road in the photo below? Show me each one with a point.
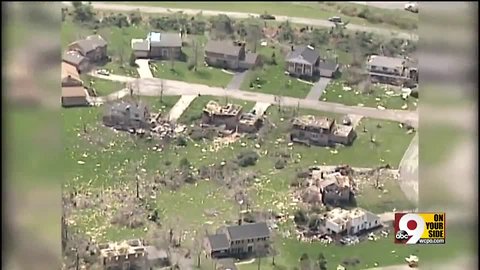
(305, 21)
(151, 87)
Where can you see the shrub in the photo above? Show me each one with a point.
(280, 164)
(247, 158)
(184, 163)
(349, 11)
(181, 141)
(300, 217)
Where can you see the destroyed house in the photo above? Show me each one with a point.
(238, 241)
(126, 116)
(127, 255)
(352, 222)
(221, 115)
(250, 122)
(322, 131)
(391, 70)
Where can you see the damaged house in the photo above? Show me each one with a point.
(126, 116)
(322, 131)
(238, 241)
(339, 221)
(391, 70)
(231, 116)
(132, 254)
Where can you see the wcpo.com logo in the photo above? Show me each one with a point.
(419, 228)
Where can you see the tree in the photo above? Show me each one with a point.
(322, 262)
(274, 61)
(195, 55)
(135, 17)
(172, 60)
(221, 26)
(254, 33)
(305, 263)
(82, 12)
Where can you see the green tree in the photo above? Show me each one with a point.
(322, 262)
(83, 12)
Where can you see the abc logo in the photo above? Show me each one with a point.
(402, 235)
(410, 225)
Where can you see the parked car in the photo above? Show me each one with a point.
(412, 7)
(266, 16)
(349, 240)
(335, 19)
(103, 72)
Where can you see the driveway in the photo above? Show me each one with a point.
(318, 88)
(242, 15)
(144, 68)
(237, 80)
(182, 104)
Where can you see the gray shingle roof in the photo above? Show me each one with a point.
(385, 61)
(327, 68)
(218, 242)
(251, 58)
(303, 55)
(90, 43)
(225, 47)
(248, 231)
(371, 217)
(73, 58)
(168, 40)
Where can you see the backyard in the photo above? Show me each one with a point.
(380, 96)
(101, 86)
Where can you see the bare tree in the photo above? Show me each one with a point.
(254, 33)
(278, 101)
(198, 247)
(172, 60)
(195, 55)
(162, 90)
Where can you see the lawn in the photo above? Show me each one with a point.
(272, 78)
(101, 86)
(110, 161)
(379, 97)
(294, 9)
(204, 75)
(194, 111)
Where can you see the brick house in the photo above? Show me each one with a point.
(230, 55)
(305, 62)
(238, 241)
(321, 131)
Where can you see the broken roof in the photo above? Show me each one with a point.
(154, 254)
(248, 231)
(226, 47)
(73, 58)
(131, 110)
(385, 61)
(303, 55)
(342, 130)
(121, 249)
(218, 242)
(140, 45)
(90, 43)
(249, 118)
(214, 108)
(164, 39)
(313, 121)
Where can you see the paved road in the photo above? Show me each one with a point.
(237, 80)
(149, 87)
(409, 171)
(384, 5)
(318, 88)
(305, 21)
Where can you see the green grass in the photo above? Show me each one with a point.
(101, 86)
(294, 9)
(185, 208)
(335, 93)
(204, 75)
(272, 78)
(194, 111)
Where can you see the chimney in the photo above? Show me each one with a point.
(291, 48)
